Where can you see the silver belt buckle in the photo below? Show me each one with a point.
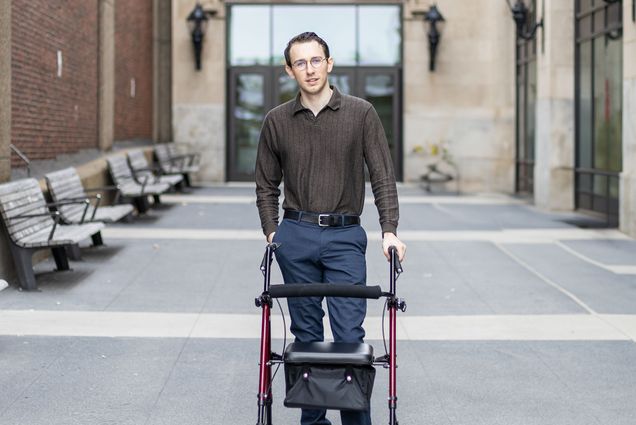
(320, 217)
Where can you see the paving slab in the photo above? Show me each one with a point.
(515, 316)
(599, 289)
(178, 381)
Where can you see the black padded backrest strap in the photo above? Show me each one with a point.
(293, 290)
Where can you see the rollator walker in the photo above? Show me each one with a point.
(326, 375)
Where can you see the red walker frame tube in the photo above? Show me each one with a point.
(265, 367)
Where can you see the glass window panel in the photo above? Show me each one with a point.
(601, 106)
(579, 6)
(614, 63)
(585, 26)
(334, 24)
(287, 88)
(599, 20)
(342, 81)
(521, 116)
(585, 182)
(585, 119)
(380, 35)
(600, 185)
(530, 110)
(614, 189)
(249, 113)
(614, 14)
(380, 90)
(249, 35)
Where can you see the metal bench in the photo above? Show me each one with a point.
(174, 160)
(65, 185)
(31, 226)
(129, 188)
(440, 172)
(142, 170)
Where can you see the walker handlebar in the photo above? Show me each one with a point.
(295, 290)
(396, 260)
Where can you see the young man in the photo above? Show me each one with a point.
(319, 143)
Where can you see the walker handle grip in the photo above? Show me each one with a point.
(393, 252)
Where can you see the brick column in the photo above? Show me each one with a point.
(162, 81)
(106, 73)
(554, 166)
(628, 175)
(5, 90)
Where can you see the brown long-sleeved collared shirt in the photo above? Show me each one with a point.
(321, 159)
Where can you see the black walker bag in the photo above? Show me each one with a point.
(326, 375)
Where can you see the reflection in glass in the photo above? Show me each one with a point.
(530, 110)
(249, 35)
(607, 110)
(585, 106)
(248, 117)
(615, 103)
(334, 24)
(601, 112)
(379, 90)
(341, 81)
(521, 119)
(287, 88)
(380, 35)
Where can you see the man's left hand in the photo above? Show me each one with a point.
(390, 239)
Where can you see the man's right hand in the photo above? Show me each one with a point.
(270, 238)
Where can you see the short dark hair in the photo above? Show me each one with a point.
(305, 37)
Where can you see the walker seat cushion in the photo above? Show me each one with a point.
(329, 353)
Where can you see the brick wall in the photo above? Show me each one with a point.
(133, 66)
(52, 113)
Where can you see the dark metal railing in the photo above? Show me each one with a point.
(23, 157)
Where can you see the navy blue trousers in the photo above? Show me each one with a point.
(312, 254)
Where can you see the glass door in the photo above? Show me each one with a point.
(526, 58)
(381, 87)
(365, 41)
(247, 107)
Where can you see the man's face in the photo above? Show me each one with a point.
(309, 66)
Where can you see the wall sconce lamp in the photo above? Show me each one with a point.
(197, 23)
(433, 17)
(520, 15)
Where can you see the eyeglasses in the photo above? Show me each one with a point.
(315, 62)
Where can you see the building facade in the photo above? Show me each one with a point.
(82, 74)
(544, 111)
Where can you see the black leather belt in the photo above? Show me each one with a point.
(323, 220)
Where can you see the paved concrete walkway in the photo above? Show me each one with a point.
(514, 317)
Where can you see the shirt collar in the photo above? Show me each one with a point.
(333, 104)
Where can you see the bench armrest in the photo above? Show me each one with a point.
(102, 189)
(137, 178)
(56, 219)
(70, 201)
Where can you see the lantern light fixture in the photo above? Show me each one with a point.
(434, 19)
(197, 23)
